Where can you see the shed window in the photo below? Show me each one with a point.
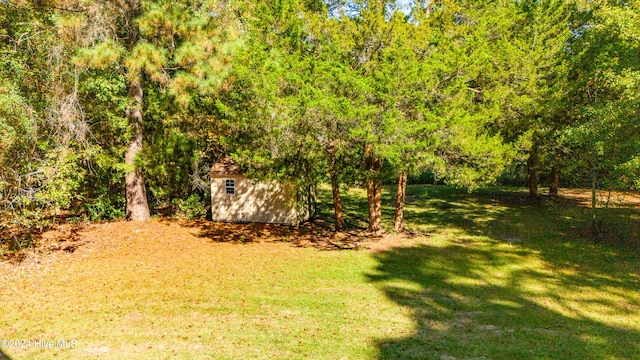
(230, 186)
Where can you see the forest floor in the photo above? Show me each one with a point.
(482, 275)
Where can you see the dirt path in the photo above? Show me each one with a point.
(617, 199)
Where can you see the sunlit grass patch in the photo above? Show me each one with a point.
(504, 278)
(493, 277)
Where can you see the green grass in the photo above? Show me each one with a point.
(495, 278)
(502, 278)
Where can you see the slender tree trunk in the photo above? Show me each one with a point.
(337, 204)
(374, 197)
(311, 201)
(373, 166)
(398, 224)
(594, 185)
(532, 165)
(135, 191)
(335, 186)
(555, 183)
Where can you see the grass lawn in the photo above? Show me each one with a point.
(492, 277)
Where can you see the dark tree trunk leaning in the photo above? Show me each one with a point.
(398, 223)
(335, 187)
(135, 191)
(373, 165)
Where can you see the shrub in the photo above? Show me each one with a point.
(192, 207)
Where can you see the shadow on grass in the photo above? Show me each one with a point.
(317, 234)
(16, 243)
(510, 215)
(511, 279)
(503, 213)
(4, 356)
(472, 302)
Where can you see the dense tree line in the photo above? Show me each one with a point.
(113, 109)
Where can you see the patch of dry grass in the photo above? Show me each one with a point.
(161, 289)
(497, 278)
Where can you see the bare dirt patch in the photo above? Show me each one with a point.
(166, 237)
(317, 234)
(582, 197)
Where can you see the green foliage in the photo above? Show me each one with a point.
(103, 94)
(297, 89)
(100, 56)
(341, 82)
(106, 201)
(170, 157)
(39, 173)
(62, 177)
(605, 106)
(177, 50)
(192, 207)
(17, 126)
(275, 130)
(105, 206)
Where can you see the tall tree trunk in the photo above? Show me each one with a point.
(555, 182)
(594, 199)
(532, 165)
(398, 223)
(311, 201)
(373, 166)
(135, 191)
(335, 186)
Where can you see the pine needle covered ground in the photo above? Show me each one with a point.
(486, 275)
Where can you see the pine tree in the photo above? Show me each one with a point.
(181, 46)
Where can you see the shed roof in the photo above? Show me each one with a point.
(225, 166)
